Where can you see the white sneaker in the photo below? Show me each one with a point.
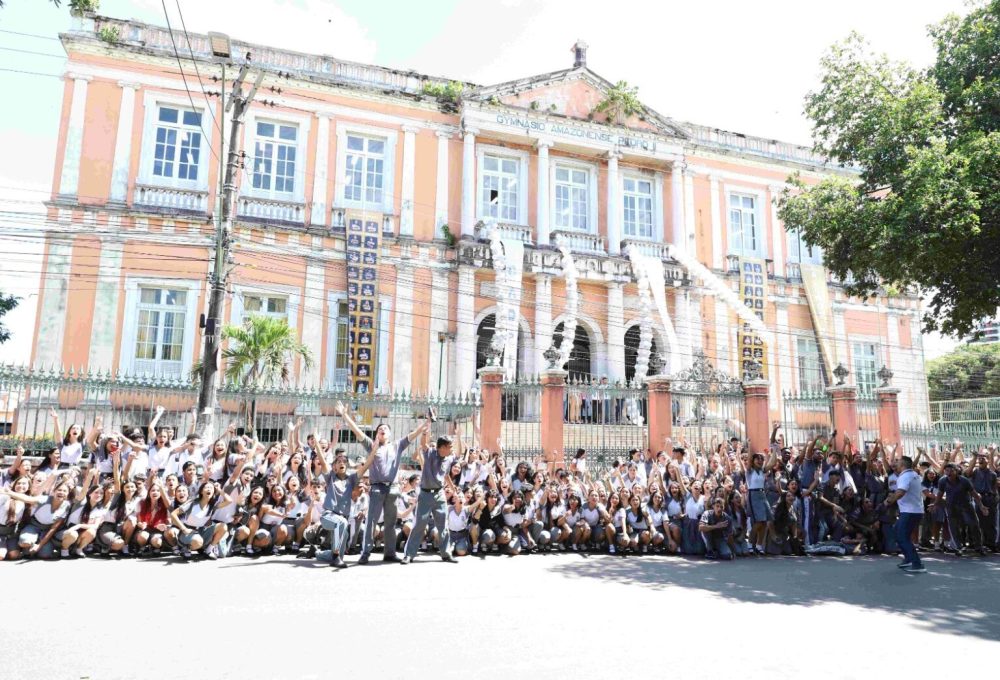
(79, 552)
(64, 552)
(611, 550)
(475, 549)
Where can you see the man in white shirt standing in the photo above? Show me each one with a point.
(909, 496)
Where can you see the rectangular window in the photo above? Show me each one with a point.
(638, 207)
(159, 337)
(177, 150)
(745, 234)
(865, 367)
(275, 306)
(274, 157)
(572, 192)
(810, 368)
(801, 252)
(365, 180)
(342, 347)
(500, 188)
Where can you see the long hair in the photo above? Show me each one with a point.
(66, 441)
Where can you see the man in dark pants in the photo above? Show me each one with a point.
(434, 463)
(716, 529)
(382, 477)
(959, 495)
(908, 496)
(984, 481)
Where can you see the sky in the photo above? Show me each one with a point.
(742, 66)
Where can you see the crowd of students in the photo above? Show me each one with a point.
(139, 494)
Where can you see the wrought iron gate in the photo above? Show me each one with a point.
(707, 406)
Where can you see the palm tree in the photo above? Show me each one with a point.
(260, 355)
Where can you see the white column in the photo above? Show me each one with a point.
(690, 226)
(716, 214)
(441, 195)
(723, 347)
(840, 341)
(469, 183)
(104, 335)
(402, 330)
(437, 369)
(123, 144)
(786, 354)
(614, 205)
(312, 321)
(69, 180)
(542, 216)
(320, 215)
(694, 314)
(683, 327)
(777, 233)
(616, 332)
(409, 171)
(677, 206)
(543, 319)
(52, 315)
(465, 335)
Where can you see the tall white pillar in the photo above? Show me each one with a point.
(409, 172)
(785, 350)
(441, 195)
(312, 321)
(469, 183)
(52, 311)
(723, 347)
(465, 329)
(320, 216)
(697, 326)
(542, 216)
(69, 179)
(777, 233)
(677, 206)
(543, 319)
(437, 369)
(616, 332)
(690, 225)
(716, 213)
(840, 340)
(614, 205)
(123, 143)
(402, 330)
(103, 335)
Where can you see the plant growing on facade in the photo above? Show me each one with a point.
(109, 34)
(621, 102)
(7, 303)
(448, 235)
(83, 6)
(447, 94)
(260, 356)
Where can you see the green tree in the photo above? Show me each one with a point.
(925, 207)
(621, 102)
(970, 371)
(260, 355)
(7, 303)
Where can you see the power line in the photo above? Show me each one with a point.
(196, 70)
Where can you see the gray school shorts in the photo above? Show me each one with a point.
(205, 532)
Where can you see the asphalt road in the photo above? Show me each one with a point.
(547, 616)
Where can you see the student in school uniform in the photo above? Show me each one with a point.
(12, 513)
(435, 462)
(48, 513)
(340, 488)
(193, 520)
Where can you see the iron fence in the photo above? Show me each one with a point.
(520, 420)
(944, 435)
(972, 411)
(806, 415)
(605, 420)
(707, 406)
(868, 427)
(28, 396)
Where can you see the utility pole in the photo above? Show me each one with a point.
(212, 325)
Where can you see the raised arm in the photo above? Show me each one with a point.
(424, 425)
(94, 433)
(363, 468)
(151, 430)
(56, 424)
(342, 412)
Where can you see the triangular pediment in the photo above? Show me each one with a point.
(574, 93)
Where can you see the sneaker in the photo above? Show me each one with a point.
(211, 552)
(406, 560)
(295, 547)
(905, 565)
(475, 549)
(79, 553)
(390, 558)
(177, 550)
(64, 552)
(915, 570)
(576, 548)
(249, 550)
(611, 550)
(338, 562)
(363, 559)
(448, 558)
(125, 551)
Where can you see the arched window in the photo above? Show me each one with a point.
(484, 335)
(579, 359)
(632, 351)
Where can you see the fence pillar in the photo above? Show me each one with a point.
(660, 411)
(845, 413)
(888, 414)
(491, 378)
(757, 412)
(553, 392)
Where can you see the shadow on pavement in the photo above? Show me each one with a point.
(954, 596)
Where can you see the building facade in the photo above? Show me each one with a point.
(131, 223)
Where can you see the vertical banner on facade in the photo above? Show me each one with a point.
(821, 310)
(753, 292)
(363, 236)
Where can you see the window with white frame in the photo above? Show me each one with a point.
(810, 368)
(274, 306)
(341, 344)
(159, 332)
(274, 157)
(499, 187)
(746, 235)
(800, 251)
(177, 147)
(365, 171)
(865, 367)
(638, 207)
(572, 193)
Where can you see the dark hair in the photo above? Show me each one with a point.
(580, 453)
(65, 440)
(907, 462)
(443, 441)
